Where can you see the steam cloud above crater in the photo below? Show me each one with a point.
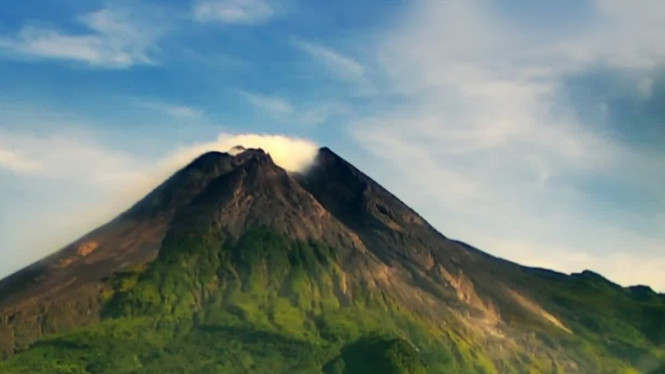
(104, 179)
(292, 154)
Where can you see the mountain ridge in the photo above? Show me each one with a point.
(257, 245)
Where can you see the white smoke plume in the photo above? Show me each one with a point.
(79, 184)
(292, 154)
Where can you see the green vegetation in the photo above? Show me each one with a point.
(377, 355)
(265, 304)
(608, 320)
(261, 304)
(660, 370)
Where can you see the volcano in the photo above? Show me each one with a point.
(234, 265)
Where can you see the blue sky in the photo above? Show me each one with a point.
(533, 130)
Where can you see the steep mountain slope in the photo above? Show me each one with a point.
(62, 291)
(235, 265)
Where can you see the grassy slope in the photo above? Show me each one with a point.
(263, 304)
(628, 324)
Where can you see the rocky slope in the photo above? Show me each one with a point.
(235, 265)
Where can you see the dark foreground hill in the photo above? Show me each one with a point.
(234, 265)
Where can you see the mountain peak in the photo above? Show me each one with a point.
(235, 241)
(238, 155)
(249, 154)
(209, 161)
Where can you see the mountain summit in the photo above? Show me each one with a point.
(234, 265)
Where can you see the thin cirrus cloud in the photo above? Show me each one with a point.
(273, 105)
(501, 149)
(234, 11)
(113, 40)
(342, 66)
(98, 180)
(12, 161)
(84, 161)
(307, 115)
(170, 109)
(67, 156)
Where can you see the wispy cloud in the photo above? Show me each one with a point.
(344, 67)
(307, 114)
(80, 159)
(67, 183)
(12, 161)
(487, 136)
(322, 112)
(66, 155)
(234, 11)
(271, 104)
(291, 153)
(114, 40)
(81, 183)
(170, 109)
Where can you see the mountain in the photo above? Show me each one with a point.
(234, 265)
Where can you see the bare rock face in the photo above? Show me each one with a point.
(87, 248)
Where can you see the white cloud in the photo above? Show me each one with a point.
(81, 159)
(343, 66)
(69, 183)
(292, 154)
(173, 110)
(322, 112)
(234, 11)
(306, 114)
(11, 161)
(114, 40)
(74, 157)
(492, 147)
(271, 104)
